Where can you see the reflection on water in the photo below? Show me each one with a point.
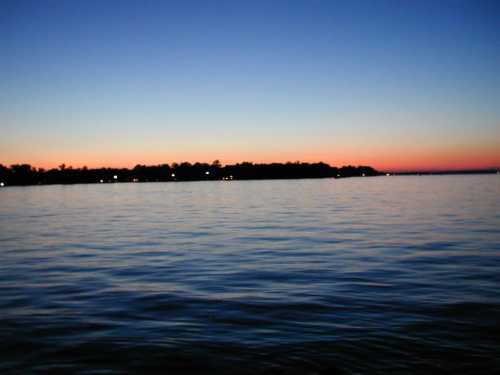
(367, 275)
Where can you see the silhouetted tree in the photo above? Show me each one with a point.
(24, 174)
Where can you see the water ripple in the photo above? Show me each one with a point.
(380, 276)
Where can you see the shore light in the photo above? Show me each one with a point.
(207, 172)
(173, 174)
(101, 181)
(115, 177)
(2, 184)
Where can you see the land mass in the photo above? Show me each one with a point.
(25, 174)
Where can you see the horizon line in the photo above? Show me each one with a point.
(384, 170)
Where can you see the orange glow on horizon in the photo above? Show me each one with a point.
(381, 156)
(385, 163)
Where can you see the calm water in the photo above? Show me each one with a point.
(355, 276)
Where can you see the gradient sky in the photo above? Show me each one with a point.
(399, 85)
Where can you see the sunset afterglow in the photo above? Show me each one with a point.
(395, 85)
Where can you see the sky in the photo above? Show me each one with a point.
(398, 85)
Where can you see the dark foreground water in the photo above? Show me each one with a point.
(358, 276)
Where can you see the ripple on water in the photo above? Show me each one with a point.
(376, 276)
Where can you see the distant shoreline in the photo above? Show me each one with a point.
(452, 172)
(26, 175)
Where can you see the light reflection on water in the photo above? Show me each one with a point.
(362, 275)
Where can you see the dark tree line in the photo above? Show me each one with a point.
(25, 174)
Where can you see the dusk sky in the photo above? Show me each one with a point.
(398, 85)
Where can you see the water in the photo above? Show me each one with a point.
(365, 275)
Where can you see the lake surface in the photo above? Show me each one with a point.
(382, 275)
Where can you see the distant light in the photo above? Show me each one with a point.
(135, 180)
(101, 181)
(115, 177)
(338, 175)
(173, 174)
(2, 184)
(231, 177)
(207, 172)
(387, 174)
(364, 175)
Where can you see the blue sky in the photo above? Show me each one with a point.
(394, 84)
